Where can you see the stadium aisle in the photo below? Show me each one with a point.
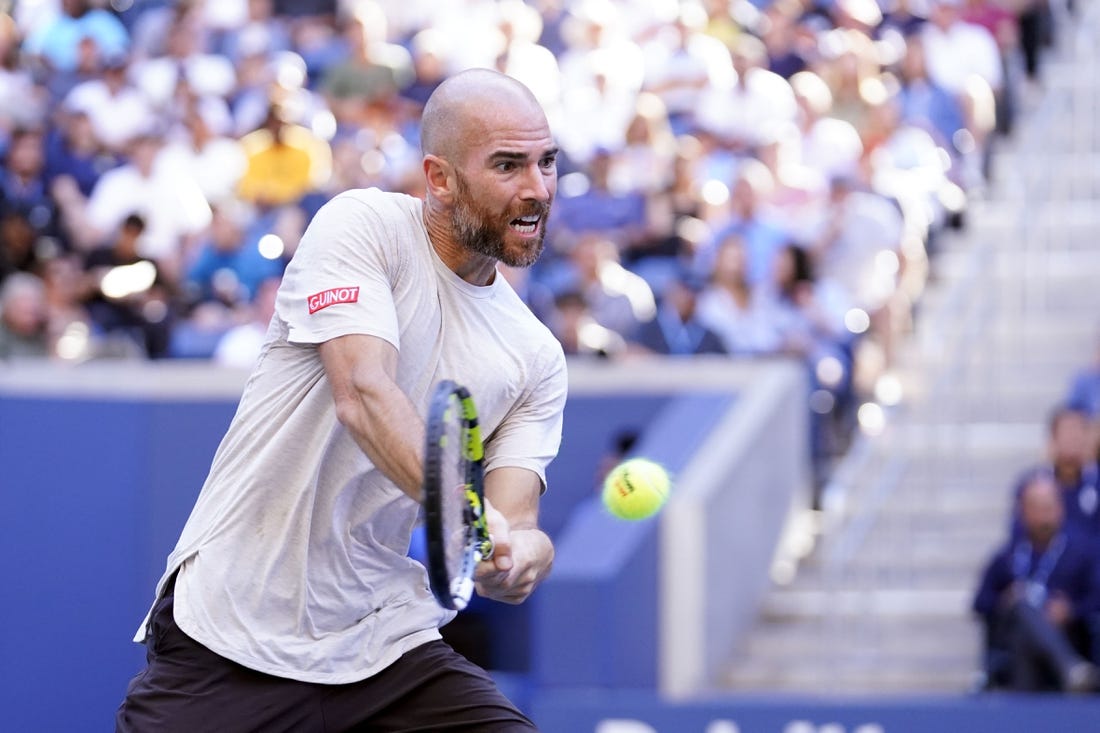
(882, 604)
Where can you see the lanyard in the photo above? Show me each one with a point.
(1039, 573)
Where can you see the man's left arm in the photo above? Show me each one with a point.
(522, 553)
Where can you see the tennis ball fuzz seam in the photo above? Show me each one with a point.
(636, 489)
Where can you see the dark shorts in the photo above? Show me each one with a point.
(188, 688)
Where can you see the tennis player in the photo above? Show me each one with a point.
(289, 602)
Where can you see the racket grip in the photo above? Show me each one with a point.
(485, 548)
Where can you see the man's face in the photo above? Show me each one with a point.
(503, 195)
(1041, 509)
(1070, 439)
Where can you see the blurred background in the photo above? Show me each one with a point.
(831, 261)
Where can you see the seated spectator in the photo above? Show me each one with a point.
(21, 249)
(573, 324)
(927, 105)
(117, 109)
(599, 207)
(617, 298)
(228, 268)
(240, 346)
(729, 304)
(676, 329)
(22, 101)
(75, 159)
(23, 318)
(761, 237)
(681, 64)
(737, 115)
(373, 72)
(285, 161)
(1084, 390)
(165, 196)
(214, 161)
(56, 42)
(126, 295)
(1035, 598)
(1071, 461)
(23, 182)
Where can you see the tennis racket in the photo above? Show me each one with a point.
(453, 495)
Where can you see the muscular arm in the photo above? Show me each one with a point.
(373, 408)
(523, 553)
(387, 427)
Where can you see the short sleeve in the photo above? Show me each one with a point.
(340, 280)
(530, 436)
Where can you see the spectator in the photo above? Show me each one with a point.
(681, 62)
(927, 105)
(1084, 390)
(1035, 598)
(118, 111)
(23, 182)
(1072, 461)
(729, 304)
(126, 294)
(56, 42)
(790, 47)
(241, 345)
(23, 318)
(617, 298)
(214, 161)
(22, 102)
(166, 197)
(21, 248)
(228, 268)
(964, 59)
(619, 214)
(676, 329)
(761, 237)
(75, 158)
(754, 101)
(573, 324)
(828, 145)
(285, 161)
(373, 73)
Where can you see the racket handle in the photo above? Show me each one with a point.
(485, 548)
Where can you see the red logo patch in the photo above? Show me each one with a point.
(325, 298)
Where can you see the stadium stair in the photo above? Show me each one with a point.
(880, 605)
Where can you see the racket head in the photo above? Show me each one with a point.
(453, 495)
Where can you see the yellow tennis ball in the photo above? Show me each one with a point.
(636, 488)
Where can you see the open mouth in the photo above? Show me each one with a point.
(526, 225)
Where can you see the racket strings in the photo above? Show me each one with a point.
(457, 512)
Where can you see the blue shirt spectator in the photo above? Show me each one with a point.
(58, 41)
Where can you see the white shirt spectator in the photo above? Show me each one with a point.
(952, 55)
(745, 112)
(117, 116)
(168, 198)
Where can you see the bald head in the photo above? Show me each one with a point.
(464, 105)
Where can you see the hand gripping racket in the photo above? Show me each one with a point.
(453, 495)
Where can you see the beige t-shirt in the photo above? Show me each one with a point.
(294, 559)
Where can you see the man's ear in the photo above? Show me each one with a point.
(439, 178)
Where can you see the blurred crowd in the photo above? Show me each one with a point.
(740, 177)
(1039, 593)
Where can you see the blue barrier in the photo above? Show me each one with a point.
(96, 490)
(95, 493)
(602, 711)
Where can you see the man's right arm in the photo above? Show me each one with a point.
(380, 417)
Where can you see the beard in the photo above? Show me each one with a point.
(478, 230)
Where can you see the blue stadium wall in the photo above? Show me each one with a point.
(98, 477)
